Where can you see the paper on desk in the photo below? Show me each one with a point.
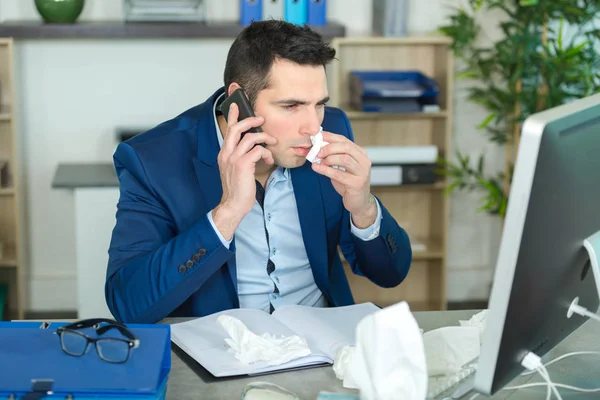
(250, 347)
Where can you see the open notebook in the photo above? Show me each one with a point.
(326, 330)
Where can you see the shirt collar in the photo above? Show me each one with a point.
(217, 127)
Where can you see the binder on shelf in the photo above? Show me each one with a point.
(37, 364)
(317, 12)
(250, 10)
(273, 9)
(405, 174)
(296, 11)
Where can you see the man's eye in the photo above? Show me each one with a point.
(290, 106)
(321, 105)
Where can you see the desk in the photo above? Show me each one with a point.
(189, 381)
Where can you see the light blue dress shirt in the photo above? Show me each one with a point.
(293, 274)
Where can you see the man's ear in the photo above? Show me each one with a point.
(232, 88)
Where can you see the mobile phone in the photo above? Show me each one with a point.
(245, 109)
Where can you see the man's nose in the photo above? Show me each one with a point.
(312, 123)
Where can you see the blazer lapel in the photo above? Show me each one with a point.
(307, 191)
(207, 169)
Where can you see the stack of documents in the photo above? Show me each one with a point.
(164, 10)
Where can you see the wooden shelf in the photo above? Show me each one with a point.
(9, 258)
(11, 220)
(431, 40)
(422, 210)
(441, 185)
(433, 250)
(355, 114)
(118, 29)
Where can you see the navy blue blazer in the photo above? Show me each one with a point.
(165, 259)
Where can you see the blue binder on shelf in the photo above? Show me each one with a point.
(296, 11)
(250, 10)
(317, 12)
(33, 363)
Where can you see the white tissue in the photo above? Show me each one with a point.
(477, 320)
(389, 361)
(250, 347)
(450, 348)
(341, 364)
(318, 143)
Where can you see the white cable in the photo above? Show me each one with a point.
(584, 312)
(576, 353)
(546, 376)
(558, 385)
(533, 362)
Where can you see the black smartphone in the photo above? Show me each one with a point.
(245, 109)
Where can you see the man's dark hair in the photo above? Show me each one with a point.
(255, 49)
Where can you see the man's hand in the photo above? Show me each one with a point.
(237, 163)
(353, 184)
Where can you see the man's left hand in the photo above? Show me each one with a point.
(353, 184)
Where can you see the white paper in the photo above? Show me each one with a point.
(324, 329)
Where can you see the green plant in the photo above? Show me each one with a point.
(547, 56)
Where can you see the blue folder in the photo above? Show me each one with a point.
(317, 12)
(31, 357)
(296, 11)
(250, 10)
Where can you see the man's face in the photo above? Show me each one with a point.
(293, 107)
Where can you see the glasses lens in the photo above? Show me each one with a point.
(73, 343)
(113, 350)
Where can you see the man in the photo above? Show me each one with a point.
(208, 222)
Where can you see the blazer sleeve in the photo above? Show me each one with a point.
(385, 259)
(152, 268)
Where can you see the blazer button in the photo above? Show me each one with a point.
(182, 269)
(189, 264)
(195, 258)
(202, 252)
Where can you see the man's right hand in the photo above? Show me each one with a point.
(237, 163)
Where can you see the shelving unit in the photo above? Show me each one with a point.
(422, 210)
(11, 267)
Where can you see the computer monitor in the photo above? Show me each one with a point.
(542, 265)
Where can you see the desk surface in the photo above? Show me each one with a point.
(190, 381)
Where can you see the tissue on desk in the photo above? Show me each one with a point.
(450, 348)
(341, 364)
(389, 361)
(250, 347)
(478, 320)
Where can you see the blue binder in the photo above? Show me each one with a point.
(31, 357)
(317, 12)
(250, 10)
(296, 11)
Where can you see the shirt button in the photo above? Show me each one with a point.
(269, 217)
(277, 279)
(274, 251)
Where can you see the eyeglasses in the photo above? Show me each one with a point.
(110, 349)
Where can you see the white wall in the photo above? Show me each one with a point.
(75, 92)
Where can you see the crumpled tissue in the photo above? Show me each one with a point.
(250, 347)
(442, 352)
(449, 348)
(478, 320)
(389, 359)
(318, 143)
